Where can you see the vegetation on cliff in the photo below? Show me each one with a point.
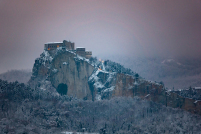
(24, 110)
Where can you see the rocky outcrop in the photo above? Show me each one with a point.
(72, 71)
(62, 67)
(95, 80)
(105, 85)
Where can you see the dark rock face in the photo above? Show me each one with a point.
(105, 85)
(62, 89)
(73, 72)
(62, 67)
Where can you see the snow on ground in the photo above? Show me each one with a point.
(65, 63)
(95, 78)
(109, 89)
(45, 56)
(103, 67)
(147, 95)
(97, 84)
(196, 101)
(98, 97)
(102, 87)
(198, 88)
(130, 87)
(135, 83)
(54, 70)
(77, 133)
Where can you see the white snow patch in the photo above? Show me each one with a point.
(78, 133)
(147, 95)
(54, 42)
(42, 88)
(98, 97)
(80, 57)
(54, 70)
(67, 132)
(130, 87)
(98, 85)
(94, 76)
(154, 82)
(169, 90)
(197, 87)
(167, 60)
(196, 101)
(109, 89)
(135, 83)
(103, 71)
(65, 63)
(111, 76)
(46, 57)
(171, 60)
(59, 48)
(80, 47)
(103, 67)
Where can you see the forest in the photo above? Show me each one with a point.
(25, 110)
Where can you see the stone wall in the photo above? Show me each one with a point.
(66, 44)
(80, 51)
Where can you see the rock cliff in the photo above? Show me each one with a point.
(62, 67)
(104, 85)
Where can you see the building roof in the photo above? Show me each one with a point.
(80, 47)
(197, 87)
(54, 43)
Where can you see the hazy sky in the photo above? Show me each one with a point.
(167, 28)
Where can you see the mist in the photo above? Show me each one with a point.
(108, 28)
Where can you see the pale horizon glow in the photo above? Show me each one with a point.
(130, 28)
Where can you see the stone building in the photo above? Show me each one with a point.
(88, 54)
(70, 46)
(53, 45)
(80, 51)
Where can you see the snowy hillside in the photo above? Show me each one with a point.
(175, 73)
(21, 76)
(38, 111)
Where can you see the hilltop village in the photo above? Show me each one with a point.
(70, 46)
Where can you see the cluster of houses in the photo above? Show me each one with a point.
(70, 46)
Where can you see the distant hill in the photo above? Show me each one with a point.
(175, 73)
(21, 76)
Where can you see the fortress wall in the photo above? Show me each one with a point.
(80, 51)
